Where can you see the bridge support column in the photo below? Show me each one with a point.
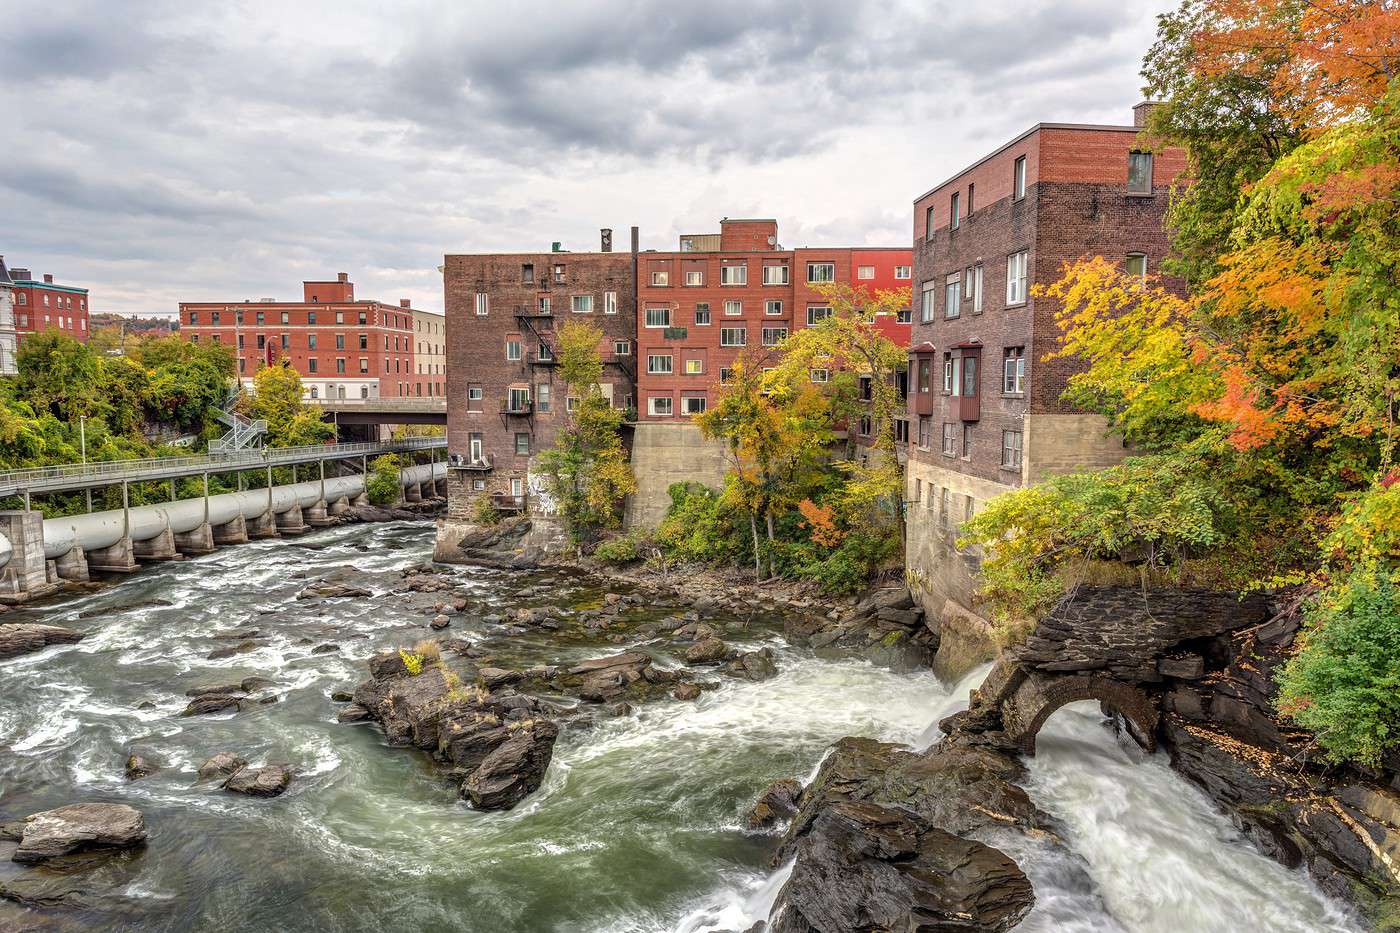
(264, 526)
(234, 532)
(196, 541)
(316, 514)
(72, 566)
(161, 547)
(291, 522)
(361, 499)
(340, 506)
(26, 575)
(413, 492)
(115, 559)
(440, 488)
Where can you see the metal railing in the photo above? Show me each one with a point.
(380, 404)
(508, 503)
(71, 476)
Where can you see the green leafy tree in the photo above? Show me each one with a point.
(277, 398)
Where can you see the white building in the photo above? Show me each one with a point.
(8, 340)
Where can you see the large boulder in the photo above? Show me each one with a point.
(707, 651)
(752, 665)
(25, 637)
(140, 765)
(778, 801)
(267, 781)
(208, 703)
(79, 826)
(221, 765)
(515, 769)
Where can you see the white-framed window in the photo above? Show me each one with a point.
(659, 363)
(544, 305)
(542, 396)
(904, 272)
(951, 290)
(925, 431)
(1013, 371)
(702, 313)
(955, 210)
(733, 308)
(904, 315)
(1016, 266)
(474, 393)
(1136, 265)
(950, 439)
(478, 484)
(817, 313)
(772, 336)
(733, 337)
(726, 376)
(950, 381)
(582, 304)
(660, 277)
(821, 375)
(734, 273)
(483, 303)
(571, 403)
(513, 350)
(865, 273)
(976, 285)
(546, 352)
(695, 277)
(659, 405)
(926, 306)
(658, 317)
(1140, 173)
(694, 367)
(693, 405)
(519, 398)
(622, 348)
(773, 306)
(609, 302)
(1018, 178)
(1011, 449)
(775, 274)
(818, 272)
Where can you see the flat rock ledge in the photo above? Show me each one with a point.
(23, 638)
(75, 828)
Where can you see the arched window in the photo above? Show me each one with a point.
(364, 391)
(315, 392)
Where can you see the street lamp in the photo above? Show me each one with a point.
(82, 436)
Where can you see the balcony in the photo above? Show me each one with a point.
(481, 464)
(507, 503)
(517, 407)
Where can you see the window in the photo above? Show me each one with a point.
(364, 342)
(545, 352)
(821, 375)
(954, 210)
(866, 388)
(24, 300)
(951, 290)
(865, 272)
(622, 348)
(478, 484)
(360, 318)
(773, 306)
(695, 277)
(513, 348)
(733, 337)
(559, 273)
(928, 223)
(867, 426)
(950, 439)
(659, 363)
(1016, 277)
(544, 305)
(694, 367)
(609, 302)
(904, 315)
(474, 394)
(1013, 371)
(658, 317)
(262, 318)
(522, 444)
(311, 317)
(772, 336)
(734, 273)
(817, 313)
(967, 442)
(364, 365)
(693, 405)
(1018, 179)
(659, 405)
(925, 430)
(1140, 173)
(821, 272)
(519, 398)
(483, 303)
(901, 430)
(904, 272)
(970, 189)
(925, 379)
(975, 283)
(918, 490)
(702, 313)
(943, 495)
(1011, 449)
(194, 315)
(582, 304)
(262, 342)
(733, 308)
(1136, 265)
(926, 308)
(947, 372)
(969, 376)
(340, 365)
(775, 275)
(339, 317)
(571, 403)
(660, 277)
(286, 318)
(726, 376)
(527, 273)
(542, 396)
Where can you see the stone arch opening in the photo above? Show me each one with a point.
(1038, 698)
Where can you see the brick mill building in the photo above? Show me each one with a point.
(985, 408)
(342, 347)
(505, 397)
(43, 304)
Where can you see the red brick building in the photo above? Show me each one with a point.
(342, 347)
(985, 407)
(719, 295)
(43, 304)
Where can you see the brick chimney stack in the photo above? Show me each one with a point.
(1142, 111)
(48, 278)
(404, 303)
(606, 245)
(342, 276)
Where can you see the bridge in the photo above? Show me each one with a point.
(382, 410)
(37, 553)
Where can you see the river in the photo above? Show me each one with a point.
(637, 828)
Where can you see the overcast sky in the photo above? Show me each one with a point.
(156, 152)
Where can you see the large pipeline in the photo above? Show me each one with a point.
(96, 530)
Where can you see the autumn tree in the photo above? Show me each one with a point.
(277, 399)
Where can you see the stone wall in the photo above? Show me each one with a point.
(665, 453)
(1068, 443)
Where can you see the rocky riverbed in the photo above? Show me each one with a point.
(328, 733)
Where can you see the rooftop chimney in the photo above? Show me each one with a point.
(1142, 110)
(636, 239)
(404, 303)
(48, 278)
(342, 276)
(20, 275)
(607, 239)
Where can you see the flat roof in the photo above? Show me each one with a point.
(37, 283)
(1030, 132)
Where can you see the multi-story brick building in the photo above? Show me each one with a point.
(43, 304)
(505, 397)
(721, 295)
(342, 347)
(985, 407)
(429, 354)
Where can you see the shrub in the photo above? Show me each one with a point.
(484, 513)
(622, 549)
(384, 485)
(700, 527)
(1344, 683)
(413, 663)
(428, 650)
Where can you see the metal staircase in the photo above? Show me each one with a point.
(243, 432)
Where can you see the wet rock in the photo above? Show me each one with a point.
(208, 703)
(753, 665)
(439, 622)
(863, 866)
(326, 589)
(494, 677)
(467, 739)
(353, 713)
(208, 689)
(341, 696)
(386, 665)
(267, 781)
(777, 802)
(250, 684)
(455, 646)
(687, 692)
(892, 597)
(1183, 667)
(325, 648)
(231, 650)
(221, 765)
(515, 769)
(23, 638)
(618, 709)
(77, 827)
(707, 651)
(139, 766)
(125, 607)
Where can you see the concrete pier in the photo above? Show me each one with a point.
(116, 558)
(232, 532)
(73, 566)
(198, 541)
(161, 547)
(26, 574)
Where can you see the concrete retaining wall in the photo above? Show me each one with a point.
(664, 453)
